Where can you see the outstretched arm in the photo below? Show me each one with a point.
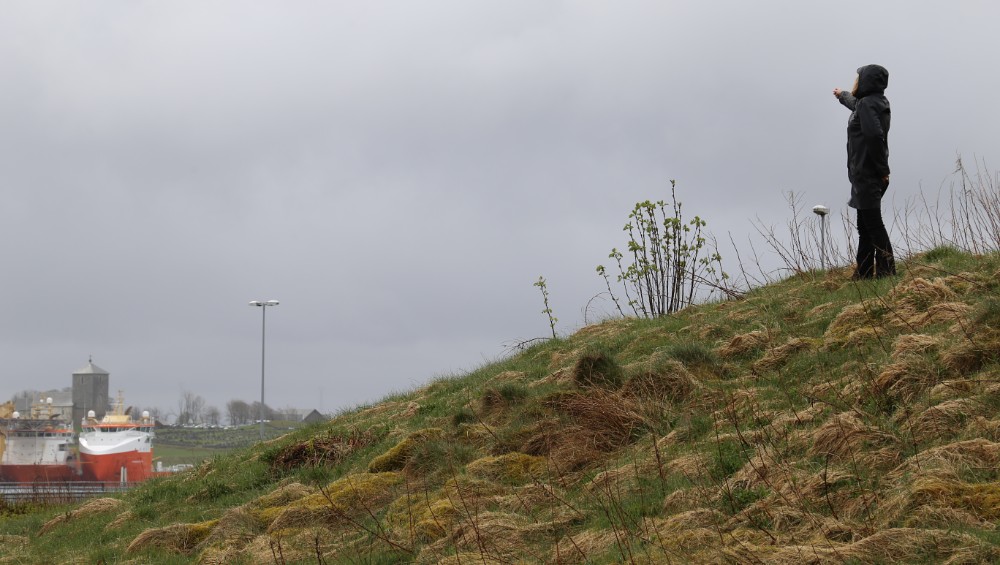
(845, 98)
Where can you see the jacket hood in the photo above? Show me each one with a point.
(872, 79)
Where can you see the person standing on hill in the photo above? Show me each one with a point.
(868, 168)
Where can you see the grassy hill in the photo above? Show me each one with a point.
(816, 420)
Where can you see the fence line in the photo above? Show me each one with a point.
(61, 492)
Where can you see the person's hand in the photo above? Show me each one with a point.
(836, 92)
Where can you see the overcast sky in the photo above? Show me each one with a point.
(398, 174)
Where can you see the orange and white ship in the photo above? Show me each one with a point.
(35, 448)
(116, 448)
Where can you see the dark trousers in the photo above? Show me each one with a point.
(874, 249)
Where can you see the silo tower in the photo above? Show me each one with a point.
(90, 391)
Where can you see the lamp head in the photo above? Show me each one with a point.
(820, 210)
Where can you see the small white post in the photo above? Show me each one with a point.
(822, 211)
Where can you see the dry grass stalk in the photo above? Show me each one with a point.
(499, 533)
(353, 495)
(908, 345)
(816, 311)
(176, 538)
(906, 379)
(944, 420)
(11, 544)
(851, 318)
(396, 457)
(508, 468)
(744, 343)
(929, 516)
(951, 461)
(896, 545)
(942, 313)
(510, 377)
(669, 380)
(920, 291)
(621, 479)
(529, 499)
(979, 499)
(95, 506)
(683, 500)
(562, 376)
(845, 437)
(969, 356)
(777, 356)
(579, 548)
(234, 529)
(981, 427)
(950, 389)
(282, 496)
(606, 420)
(679, 538)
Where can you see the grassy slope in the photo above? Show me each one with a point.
(816, 420)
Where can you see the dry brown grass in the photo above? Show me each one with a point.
(944, 313)
(232, 531)
(844, 437)
(945, 420)
(777, 356)
(668, 380)
(577, 548)
(95, 506)
(396, 457)
(850, 320)
(896, 545)
(282, 495)
(176, 538)
(509, 468)
(951, 461)
(979, 499)
(590, 424)
(968, 356)
(742, 344)
(929, 516)
(907, 379)
(908, 345)
(120, 520)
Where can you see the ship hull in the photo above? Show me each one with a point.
(109, 467)
(36, 473)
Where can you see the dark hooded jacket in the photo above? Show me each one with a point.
(867, 138)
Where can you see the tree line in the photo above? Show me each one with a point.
(191, 409)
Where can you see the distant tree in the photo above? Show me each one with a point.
(190, 409)
(212, 416)
(255, 412)
(238, 412)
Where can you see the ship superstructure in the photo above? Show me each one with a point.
(35, 447)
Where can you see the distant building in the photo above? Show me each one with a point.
(292, 414)
(90, 392)
(61, 406)
(313, 417)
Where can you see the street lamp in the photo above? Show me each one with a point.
(262, 304)
(822, 211)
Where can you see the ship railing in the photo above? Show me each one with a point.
(61, 492)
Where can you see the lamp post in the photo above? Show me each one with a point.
(262, 304)
(822, 211)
